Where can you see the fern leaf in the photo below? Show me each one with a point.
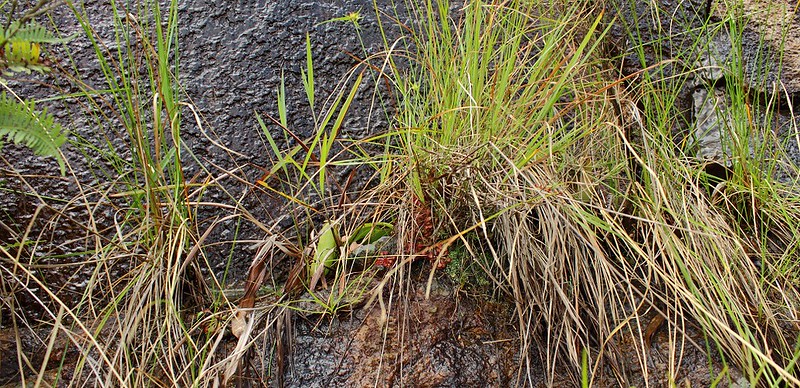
(31, 32)
(21, 51)
(20, 123)
(22, 45)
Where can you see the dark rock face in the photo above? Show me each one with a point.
(667, 28)
(233, 56)
(768, 32)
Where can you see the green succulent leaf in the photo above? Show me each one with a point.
(370, 232)
(326, 253)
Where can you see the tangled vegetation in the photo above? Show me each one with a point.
(516, 145)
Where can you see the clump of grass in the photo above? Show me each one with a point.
(134, 324)
(516, 130)
(504, 111)
(141, 323)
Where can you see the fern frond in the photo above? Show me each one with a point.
(20, 46)
(30, 32)
(20, 123)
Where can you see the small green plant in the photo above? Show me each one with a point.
(20, 122)
(468, 272)
(21, 47)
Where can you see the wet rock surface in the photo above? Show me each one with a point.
(233, 58)
(770, 42)
(768, 32)
(685, 363)
(446, 340)
(453, 339)
(33, 344)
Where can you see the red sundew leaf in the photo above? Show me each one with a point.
(385, 261)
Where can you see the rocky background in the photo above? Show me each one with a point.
(683, 49)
